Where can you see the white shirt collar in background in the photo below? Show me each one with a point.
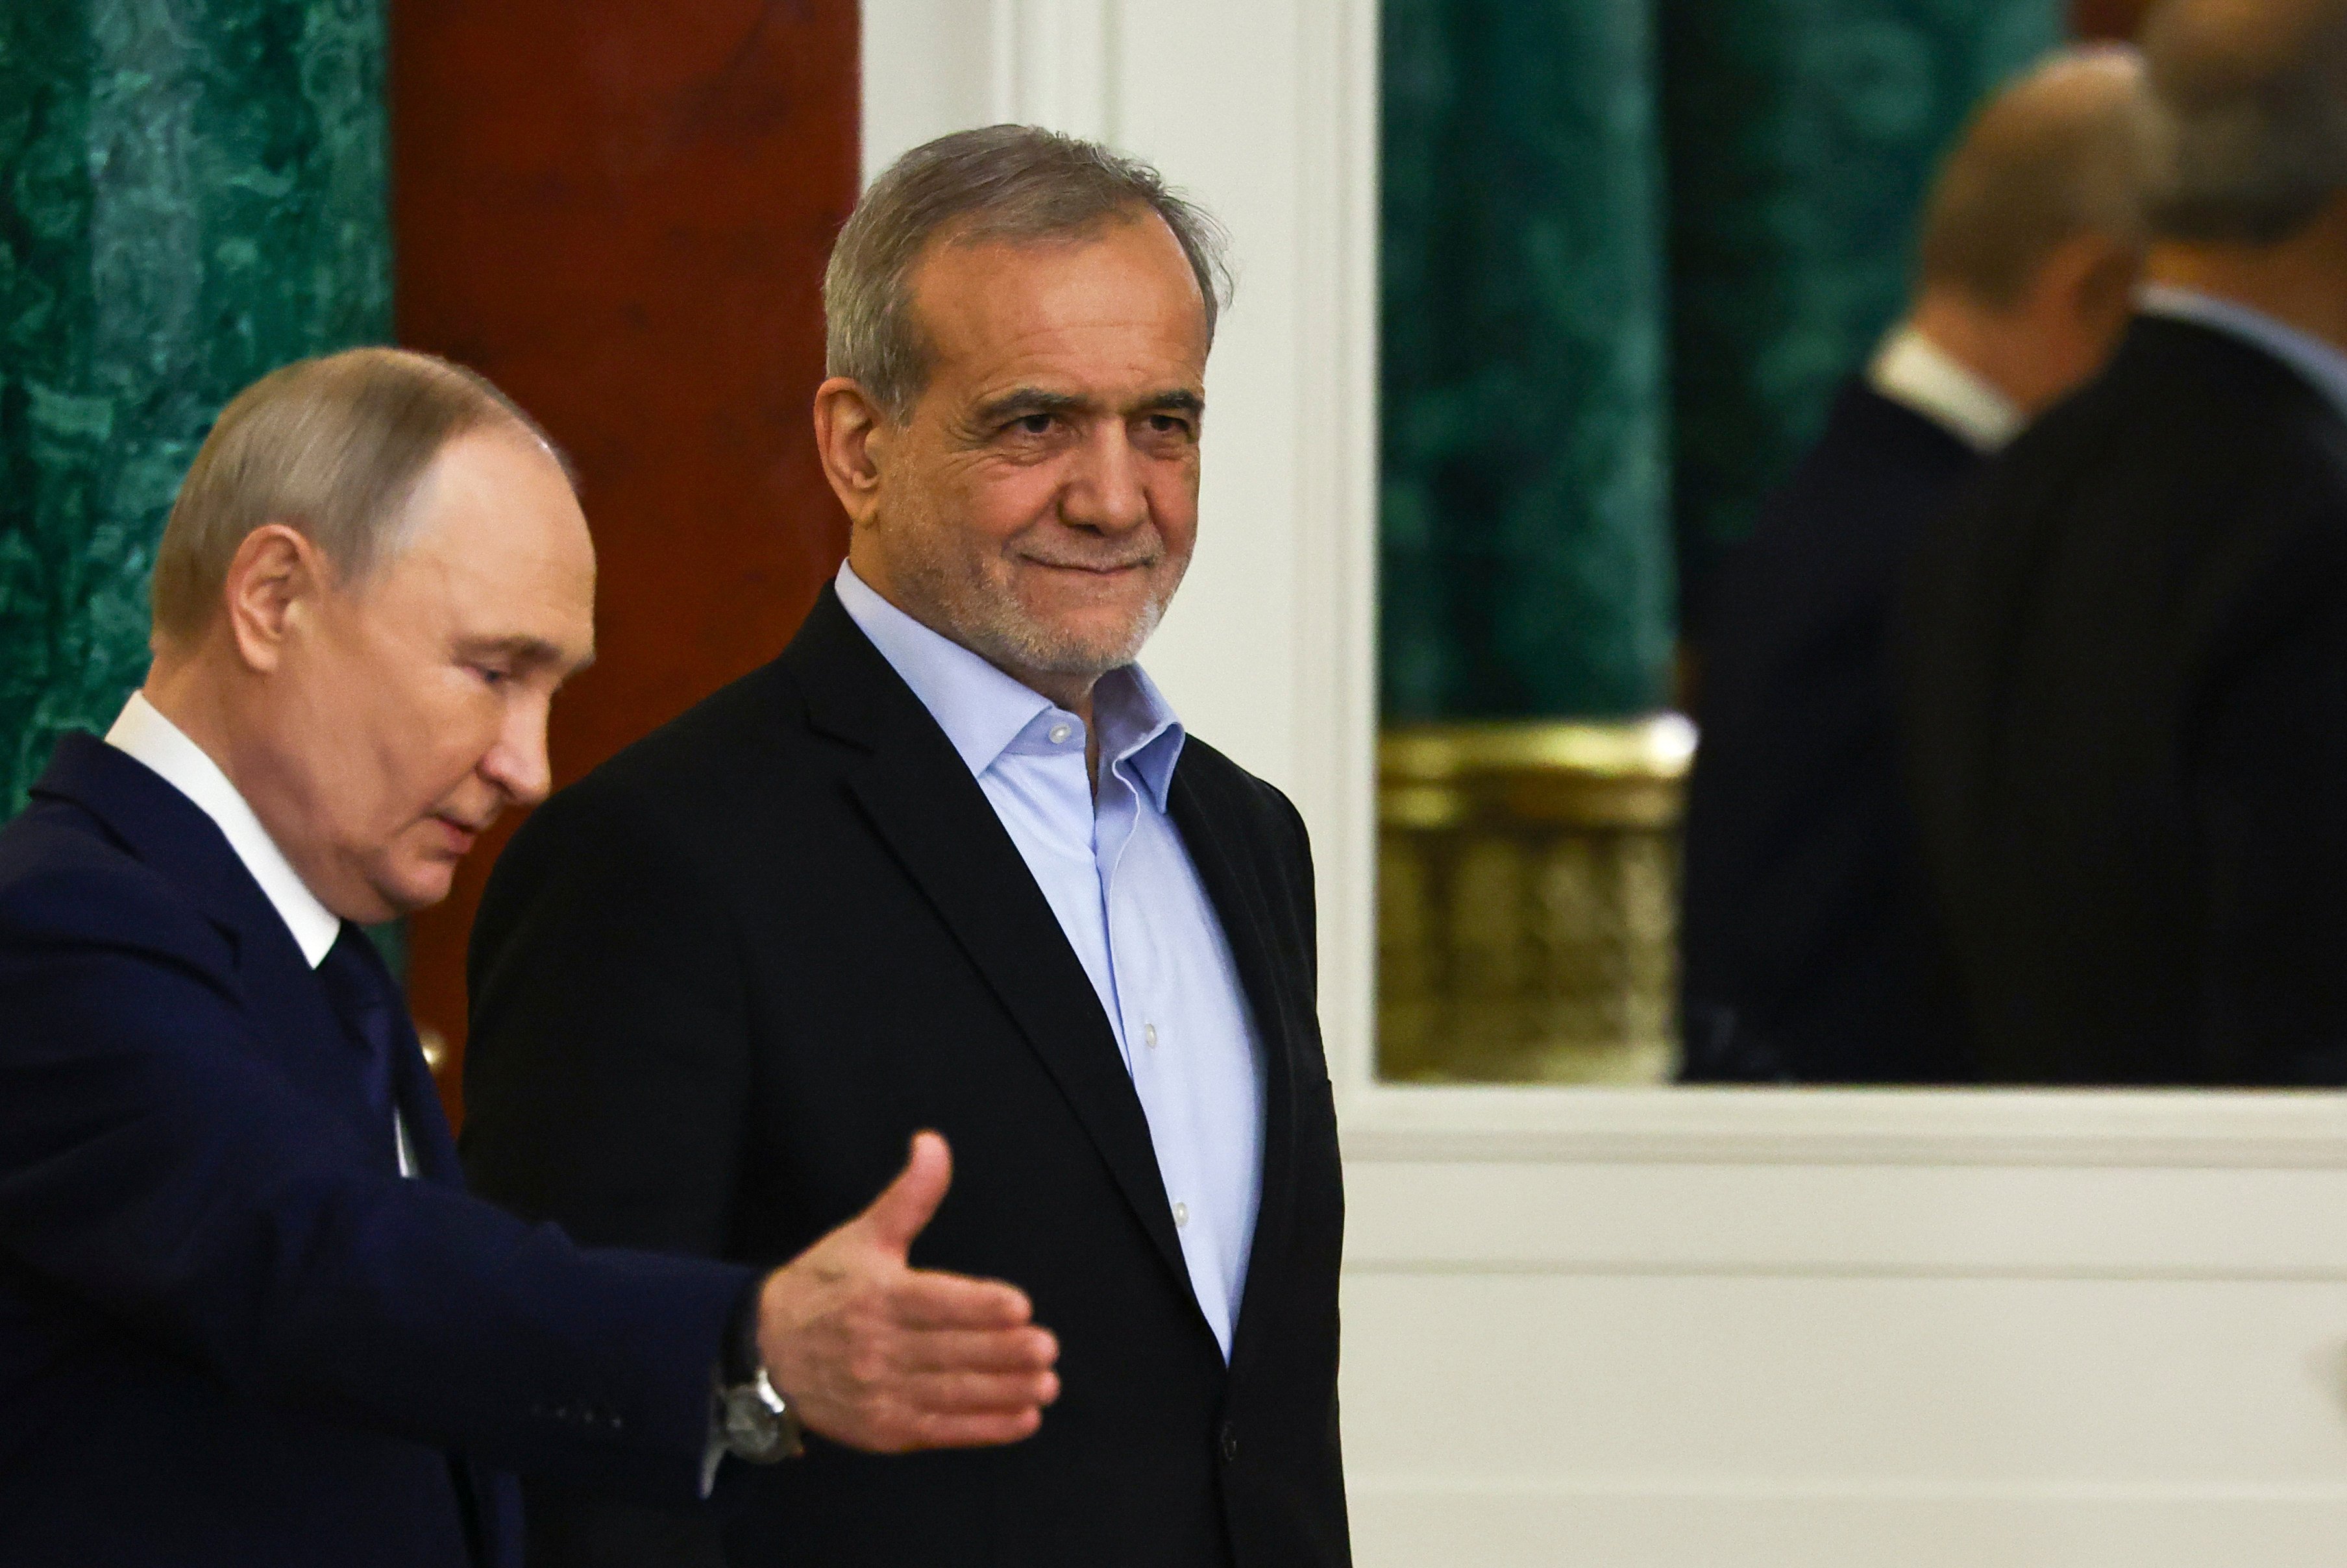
(142, 732)
(2319, 363)
(1913, 371)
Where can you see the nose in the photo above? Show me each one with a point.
(516, 763)
(1105, 490)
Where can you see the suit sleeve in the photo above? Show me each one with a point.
(1298, 879)
(607, 1080)
(154, 1166)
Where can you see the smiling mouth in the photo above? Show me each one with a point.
(1093, 569)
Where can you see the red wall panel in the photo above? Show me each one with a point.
(2117, 19)
(619, 210)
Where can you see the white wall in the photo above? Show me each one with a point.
(1667, 1329)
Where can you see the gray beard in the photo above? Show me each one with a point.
(1004, 637)
(994, 627)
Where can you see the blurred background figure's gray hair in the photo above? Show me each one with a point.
(2067, 149)
(2252, 106)
(1003, 183)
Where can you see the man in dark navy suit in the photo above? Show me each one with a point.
(1804, 949)
(248, 1314)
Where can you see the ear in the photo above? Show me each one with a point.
(2091, 278)
(2107, 284)
(277, 578)
(851, 437)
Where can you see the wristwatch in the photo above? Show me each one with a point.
(755, 1420)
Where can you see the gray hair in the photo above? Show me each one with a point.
(1004, 182)
(2253, 114)
(2066, 149)
(334, 447)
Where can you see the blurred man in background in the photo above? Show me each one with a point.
(1801, 949)
(2127, 692)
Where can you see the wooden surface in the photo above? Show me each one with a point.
(619, 210)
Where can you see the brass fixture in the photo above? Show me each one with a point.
(1528, 900)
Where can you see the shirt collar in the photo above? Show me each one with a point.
(986, 713)
(2320, 363)
(143, 733)
(1912, 370)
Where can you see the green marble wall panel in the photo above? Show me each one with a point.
(192, 193)
(1802, 135)
(1525, 542)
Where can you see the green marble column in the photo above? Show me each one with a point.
(192, 193)
(1525, 542)
(1802, 135)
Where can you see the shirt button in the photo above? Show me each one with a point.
(1059, 733)
(1149, 1034)
(1181, 1214)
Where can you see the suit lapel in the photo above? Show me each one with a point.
(922, 802)
(1237, 894)
(171, 834)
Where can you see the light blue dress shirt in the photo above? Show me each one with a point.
(1115, 873)
(2321, 364)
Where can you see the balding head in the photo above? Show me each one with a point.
(334, 446)
(2251, 100)
(2067, 149)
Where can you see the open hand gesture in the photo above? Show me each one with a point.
(883, 1357)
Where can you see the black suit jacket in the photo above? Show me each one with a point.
(2126, 711)
(1803, 956)
(720, 983)
(231, 1333)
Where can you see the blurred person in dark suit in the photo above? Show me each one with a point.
(952, 860)
(247, 1314)
(1803, 954)
(2126, 654)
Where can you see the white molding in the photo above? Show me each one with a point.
(1795, 1525)
(1337, 206)
(931, 67)
(1679, 1221)
(1055, 65)
(2331, 1493)
(2080, 1127)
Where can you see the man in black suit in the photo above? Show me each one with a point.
(951, 861)
(1804, 955)
(248, 1314)
(2127, 691)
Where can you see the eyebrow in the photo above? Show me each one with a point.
(525, 650)
(1028, 400)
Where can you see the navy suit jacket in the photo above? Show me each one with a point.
(230, 1331)
(1806, 955)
